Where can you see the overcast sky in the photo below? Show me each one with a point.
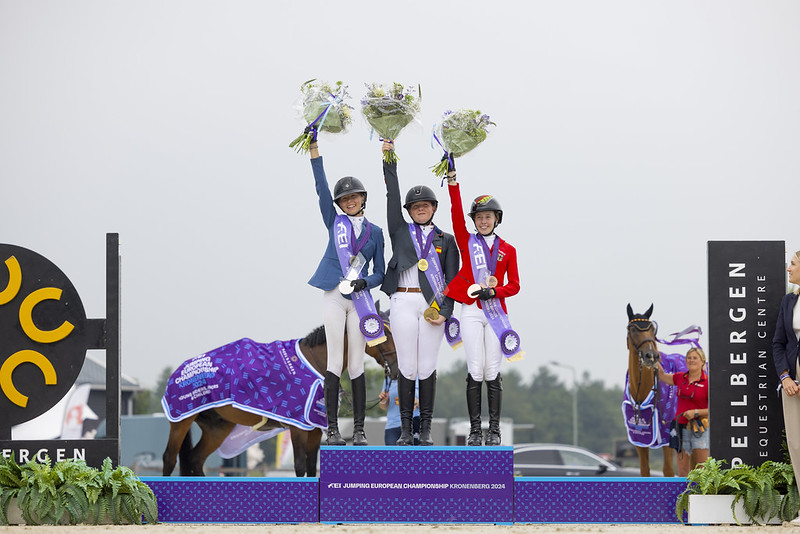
(629, 133)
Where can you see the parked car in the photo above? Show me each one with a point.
(556, 460)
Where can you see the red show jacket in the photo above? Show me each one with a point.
(506, 259)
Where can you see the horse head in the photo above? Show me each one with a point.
(642, 337)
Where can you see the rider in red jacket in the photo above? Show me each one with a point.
(481, 344)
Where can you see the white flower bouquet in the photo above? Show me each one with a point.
(458, 133)
(389, 109)
(323, 108)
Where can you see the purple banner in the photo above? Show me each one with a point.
(497, 317)
(416, 485)
(435, 278)
(370, 322)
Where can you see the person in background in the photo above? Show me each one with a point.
(338, 310)
(389, 401)
(785, 349)
(691, 418)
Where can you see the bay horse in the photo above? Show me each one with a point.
(643, 354)
(217, 423)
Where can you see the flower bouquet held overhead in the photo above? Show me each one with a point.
(458, 133)
(323, 108)
(389, 109)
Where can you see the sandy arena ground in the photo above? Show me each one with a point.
(315, 528)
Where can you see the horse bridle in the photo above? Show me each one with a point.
(635, 324)
(387, 370)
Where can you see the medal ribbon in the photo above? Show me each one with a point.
(422, 245)
(357, 245)
(434, 273)
(491, 267)
(498, 319)
(370, 322)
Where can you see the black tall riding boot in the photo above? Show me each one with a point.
(405, 395)
(359, 386)
(474, 409)
(331, 390)
(494, 394)
(427, 395)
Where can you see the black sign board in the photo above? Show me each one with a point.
(746, 282)
(45, 335)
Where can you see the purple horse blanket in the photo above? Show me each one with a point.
(273, 380)
(648, 422)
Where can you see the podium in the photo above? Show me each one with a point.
(416, 485)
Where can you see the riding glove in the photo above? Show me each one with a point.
(485, 293)
(359, 284)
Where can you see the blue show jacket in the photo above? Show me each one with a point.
(329, 271)
(784, 343)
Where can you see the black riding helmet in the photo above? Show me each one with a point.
(419, 193)
(486, 203)
(346, 186)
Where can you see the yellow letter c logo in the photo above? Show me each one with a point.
(24, 356)
(14, 281)
(26, 319)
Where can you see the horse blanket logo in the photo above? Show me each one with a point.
(648, 423)
(273, 380)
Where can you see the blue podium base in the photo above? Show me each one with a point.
(416, 485)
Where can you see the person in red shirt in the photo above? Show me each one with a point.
(692, 414)
(481, 343)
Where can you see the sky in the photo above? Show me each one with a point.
(629, 134)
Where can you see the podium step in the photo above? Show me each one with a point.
(417, 485)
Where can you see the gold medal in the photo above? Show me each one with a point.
(491, 281)
(422, 265)
(431, 314)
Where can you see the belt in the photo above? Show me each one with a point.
(409, 290)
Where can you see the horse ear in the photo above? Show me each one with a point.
(649, 311)
(630, 312)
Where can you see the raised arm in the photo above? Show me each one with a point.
(394, 204)
(457, 212)
(326, 206)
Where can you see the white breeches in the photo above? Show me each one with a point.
(481, 345)
(791, 418)
(416, 340)
(338, 312)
